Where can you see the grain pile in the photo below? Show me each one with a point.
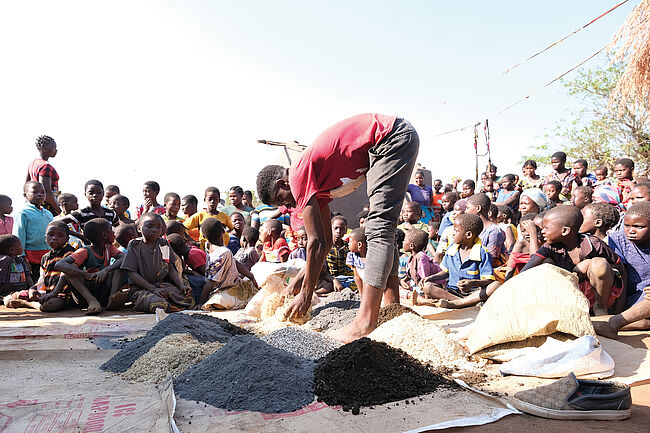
(420, 338)
(367, 372)
(391, 311)
(205, 329)
(338, 309)
(173, 354)
(302, 342)
(248, 374)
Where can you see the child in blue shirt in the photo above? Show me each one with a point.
(466, 263)
(30, 225)
(632, 244)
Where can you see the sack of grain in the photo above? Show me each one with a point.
(540, 301)
(231, 298)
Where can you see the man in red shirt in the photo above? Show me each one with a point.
(374, 147)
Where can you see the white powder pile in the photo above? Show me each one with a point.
(173, 354)
(420, 338)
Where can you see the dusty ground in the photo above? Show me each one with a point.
(530, 424)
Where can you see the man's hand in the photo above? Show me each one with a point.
(299, 305)
(162, 293)
(187, 290)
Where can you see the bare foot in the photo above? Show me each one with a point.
(93, 309)
(116, 301)
(17, 303)
(352, 331)
(605, 329)
(444, 303)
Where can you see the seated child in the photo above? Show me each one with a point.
(553, 190)
(120, 205)
(212, 198)
(403, 258)
(6, 221)
(356, 258)
(420, 265)
(30, 225)
(68, 204)
(222, 270)
(411, 214)
(448, 201)
(15, 273)
(601, 176)
(337, 256)
(189, 206)
(585, 255)
(640, 192)
(50, 292)
(150, 191)
(504, 221)
(599, 219)
(95, 282)
(275, 248)
(94, 191)
(237, 219)
(123, 235)
(178, 228)
(467, 265)
(531, 240)
(362, 216)
(469, 186)
(300, 237)
(110, 191)
(582, 196)
(194, 260)
(632, 244)
(447, 237)
(172, 203)
(247, 254)
(150, 262)
(624, 172)
(492, 237)
(489, 190)
(508, 194)
(434, 237)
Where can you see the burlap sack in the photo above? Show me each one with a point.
(540, 301)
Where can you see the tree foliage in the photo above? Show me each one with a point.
(599, 132)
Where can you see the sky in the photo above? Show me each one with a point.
(179, 92)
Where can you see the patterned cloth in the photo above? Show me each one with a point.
(336, 260)
(13, 274)
(6, 225)
(354, 260)
(49, 274)
(221, 268)
(160, 210)
(84, 215)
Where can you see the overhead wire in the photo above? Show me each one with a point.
(548, 47)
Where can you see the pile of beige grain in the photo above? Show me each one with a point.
(173, 354)
(420, 338)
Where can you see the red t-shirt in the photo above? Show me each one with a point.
(97, 263)
(40, 167)
(335, 164)
(274, 253)
(196, 257)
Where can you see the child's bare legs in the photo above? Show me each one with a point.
(474, 298)
(601, 277)
(435, 291)
(635, 317)
(94, 307)
(116, 299)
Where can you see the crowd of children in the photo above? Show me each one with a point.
(459, 242)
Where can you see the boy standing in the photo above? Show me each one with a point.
(338, 254)
(30, 225)
(6, 222)
(411, 213)
(384, 149)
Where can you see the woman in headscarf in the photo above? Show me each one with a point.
(532, 200)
